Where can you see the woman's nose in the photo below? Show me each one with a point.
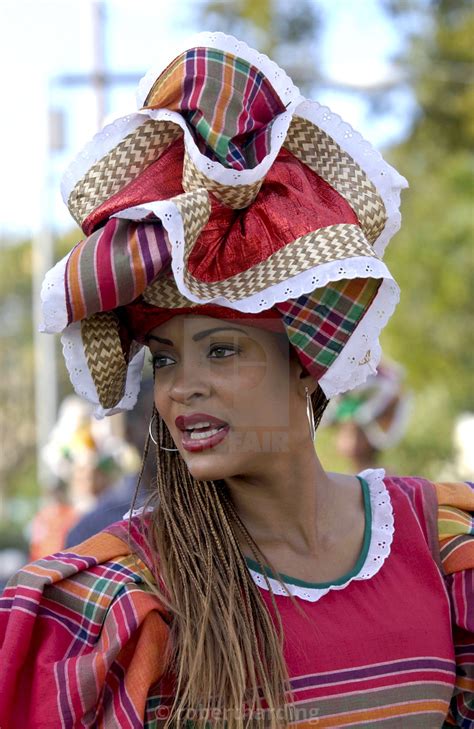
(192, 380)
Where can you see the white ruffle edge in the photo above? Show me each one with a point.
(358, 359)
(362, 352)
(381, 538)
(379, 547)
(75, 358)
(281, 82)
(53, 298)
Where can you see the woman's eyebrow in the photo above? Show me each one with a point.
(201, 335)
(196, 337)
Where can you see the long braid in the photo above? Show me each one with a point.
(225, 650)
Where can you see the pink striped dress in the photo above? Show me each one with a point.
(391, 644)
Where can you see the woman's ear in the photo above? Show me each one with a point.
(303, 377)
(307, 381)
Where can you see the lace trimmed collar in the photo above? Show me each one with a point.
(377, 542)
(376, 548)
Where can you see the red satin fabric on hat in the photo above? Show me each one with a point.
(139, 318)
(160, 181)
(292, 202)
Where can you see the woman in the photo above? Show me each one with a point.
(236, 230)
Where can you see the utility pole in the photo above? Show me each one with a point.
(46, 389)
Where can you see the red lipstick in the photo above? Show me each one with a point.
(201, 431)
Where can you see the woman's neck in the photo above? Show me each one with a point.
(291, 502)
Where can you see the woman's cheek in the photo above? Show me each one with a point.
(251, 367)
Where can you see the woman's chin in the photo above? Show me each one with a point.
(212, 465)
(204, 467)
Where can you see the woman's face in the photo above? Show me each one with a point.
(243, 385)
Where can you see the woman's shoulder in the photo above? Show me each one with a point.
(445, 512)
(105, 556)
(77, 614)
(425, 495)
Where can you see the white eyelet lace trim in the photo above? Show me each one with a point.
(53, 298)
(379, 547)
(282, 84)
(386, 179)
(74, 355)
(362, 352)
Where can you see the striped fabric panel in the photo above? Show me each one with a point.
(456, 534)
(319, 324)
(422, 498)
(223, 98)
(448, 508)
(113, 266)
(89, 620)
(460, 587)
(112, 670)
(392, 694)
(456, 525)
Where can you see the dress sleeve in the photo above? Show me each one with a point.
(456, 540)
(82, 640)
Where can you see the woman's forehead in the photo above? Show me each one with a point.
(189, 324)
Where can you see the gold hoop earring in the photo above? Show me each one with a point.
(156, 442)
(310, 414)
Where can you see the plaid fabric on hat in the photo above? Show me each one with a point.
(228, 103)
(319, 324)
(233, 184)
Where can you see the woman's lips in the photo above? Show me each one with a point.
(184, 422)
(200, 444)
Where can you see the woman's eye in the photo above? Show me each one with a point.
(158, 361)
(220, 349)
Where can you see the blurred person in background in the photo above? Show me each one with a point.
(85, 457)
(235, 230)
(116, 500)
(372, 417)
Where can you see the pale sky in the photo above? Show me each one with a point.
(42, 39)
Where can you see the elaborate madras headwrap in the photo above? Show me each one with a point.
(227, 194)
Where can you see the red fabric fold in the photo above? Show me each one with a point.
(139, 318)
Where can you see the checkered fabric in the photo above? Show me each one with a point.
(241, 190)
(228, 103)
(319, 324)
